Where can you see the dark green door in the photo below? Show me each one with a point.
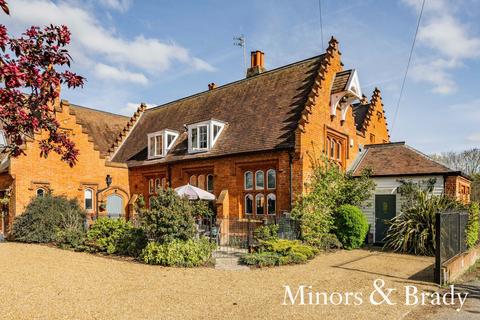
(385, 208)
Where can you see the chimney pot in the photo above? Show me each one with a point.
(212, 86)
(257, 63)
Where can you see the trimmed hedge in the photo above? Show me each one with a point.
(178, 253)
(279, 252)
(351, 226)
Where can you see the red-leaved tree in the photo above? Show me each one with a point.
(30, 85)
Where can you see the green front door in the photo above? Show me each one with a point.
(385, 208)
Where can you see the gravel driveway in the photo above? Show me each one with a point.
(48, 283)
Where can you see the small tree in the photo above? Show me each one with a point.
(169, 217)
(329, 188)
(351, 226)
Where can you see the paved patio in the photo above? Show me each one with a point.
(48, 283)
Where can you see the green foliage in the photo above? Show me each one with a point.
(351, 226)
(265, 233)
(326, 242)
(116, 236)
(413, 230)
(329, 188)
(472, 225)
(45, 217)
(279, 252)
(169, 218)
(178, 253)
(202, 208)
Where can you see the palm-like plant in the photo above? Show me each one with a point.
(413, 230)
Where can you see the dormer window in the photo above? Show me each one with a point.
(345, 90)
(203, 135)
(159, 143)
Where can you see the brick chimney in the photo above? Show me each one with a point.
(257, 63)
(212, 86)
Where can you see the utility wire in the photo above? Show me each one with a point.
(321, 23)
(408, 66)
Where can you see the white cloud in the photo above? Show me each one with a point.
(118, 5)
(107, 72)
(91, 41)
(474, 137)
(449, 41)
(131, 107)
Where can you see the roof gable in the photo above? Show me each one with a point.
(102, 127)
(260, 112)
(394, 159)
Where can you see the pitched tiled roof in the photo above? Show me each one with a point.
(360, 112)
(394, 159)
(341, 81)
(261, 113)
(102, 127)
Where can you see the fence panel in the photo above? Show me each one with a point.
(450, 238)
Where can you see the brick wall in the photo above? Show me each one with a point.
(228, 173)
(458, 187)
(30, 171)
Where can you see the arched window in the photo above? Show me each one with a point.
(271, 204)
(248, 180)
(259, 203)
(201, 181)
(332, 148)
(259, 180)
(248, 204)
(271, 179)
(193, 180)
(88, 199)
(210, 182)
(151, 186)
(114, 206)
(158, 185)
(164, 183)
(41, 192)
(339, 150)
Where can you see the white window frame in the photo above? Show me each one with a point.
(245, 180)
(270, 196)
(211, 140)
(165, 147)
(252, 198)
(85, 198)
(275, 175)
(44, 192)
(3, 140)
(263, 182)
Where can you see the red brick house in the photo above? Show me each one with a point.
(249, 142)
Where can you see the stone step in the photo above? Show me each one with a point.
(229, 263)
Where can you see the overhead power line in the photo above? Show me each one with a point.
(321, 23)
(408, 66)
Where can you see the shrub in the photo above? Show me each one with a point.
(178, 253)
(351, 226)
(326, 242)
(413, 230)
(168, 218)
(45, 217)
(265, 233)
(329, 188)
(279, 252)
(472, 225)
(116, 236)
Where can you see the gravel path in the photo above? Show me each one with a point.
(40, 282)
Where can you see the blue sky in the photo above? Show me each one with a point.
(157, 51)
